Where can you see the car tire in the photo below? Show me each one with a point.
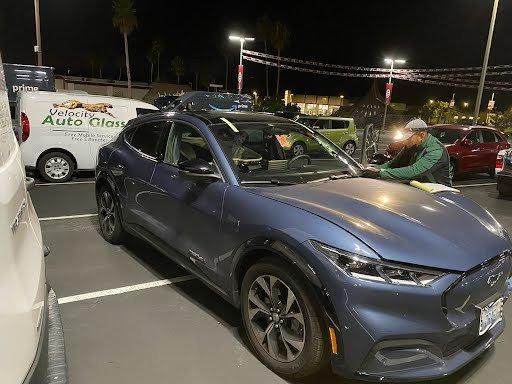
(492, 173)
(350, 147)
(109, 216)
(56, 167)
(304, 350)
(298, 148)
(453, 166)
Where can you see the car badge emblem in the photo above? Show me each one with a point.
(493, 279)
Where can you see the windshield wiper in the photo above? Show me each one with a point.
(268, 181)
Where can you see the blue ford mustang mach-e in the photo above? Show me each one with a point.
(382, 280)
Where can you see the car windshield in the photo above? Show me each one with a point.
(445, 135)
(281, 153)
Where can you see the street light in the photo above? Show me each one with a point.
(486, 61)
(37, 47)
(431, 101)
(466, 104)
(242, 40)
(389, 85)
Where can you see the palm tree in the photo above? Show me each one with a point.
(265, 30)
(280, 39)
(158, 47)
(152, 58)
(226, 52)
(125, 19)
(100, 63)
(178, 67)
(120, 63)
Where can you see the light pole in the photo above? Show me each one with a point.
(486, 61)
(389, 85)
(242, 40)
(37, 47)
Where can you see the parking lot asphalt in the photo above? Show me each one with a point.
(146, 320)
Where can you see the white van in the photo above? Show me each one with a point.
(24, 297)
(62, 132)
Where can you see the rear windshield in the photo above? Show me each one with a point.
(446, 136)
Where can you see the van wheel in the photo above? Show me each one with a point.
(56, 167)
(283, 320)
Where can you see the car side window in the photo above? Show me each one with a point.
(474, 136)
(144, 138)
(185, 143)
(498, 138)
(321, 124)
(488, 136)
(339, 124)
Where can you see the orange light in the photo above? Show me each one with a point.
(334, 342)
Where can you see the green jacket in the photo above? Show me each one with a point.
(428, 162)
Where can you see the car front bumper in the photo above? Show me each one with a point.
(409, 333)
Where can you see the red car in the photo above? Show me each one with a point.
(471, 149)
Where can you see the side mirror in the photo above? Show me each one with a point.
(466, 142)
(197, 170)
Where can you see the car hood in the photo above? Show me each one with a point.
(401, 223)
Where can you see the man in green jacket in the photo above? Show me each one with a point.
(423, 158)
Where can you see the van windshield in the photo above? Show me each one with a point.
(277, 153)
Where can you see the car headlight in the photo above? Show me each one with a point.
(366, 268)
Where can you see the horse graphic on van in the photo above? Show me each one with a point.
(97, 107)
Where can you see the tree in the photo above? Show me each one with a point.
(280, 39)
(100, 63)
(120, 63)
(265, 30)
(178, 67)
(226, 52)
(151, 55)
(435, 112)
(504, 121)
(158, 47)
(125, 19)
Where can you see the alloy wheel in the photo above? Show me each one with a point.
(349, 148)
(298, 150)
(57, 168)
(107, 214)
(276, 319)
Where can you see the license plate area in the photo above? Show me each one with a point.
(490, 316)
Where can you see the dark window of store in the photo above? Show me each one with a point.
(488, 136)
(339, 124)
(145, 138)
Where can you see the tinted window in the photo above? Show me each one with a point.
(488, 136)
(185, 143)
(145, 137)
(474, 136)
(446, 136)
(339, 124)
(498, 137)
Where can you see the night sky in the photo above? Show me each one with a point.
(435, 33)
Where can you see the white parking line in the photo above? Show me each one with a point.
(67, 217)
(126, 289)
(66, 183)
(473, 185)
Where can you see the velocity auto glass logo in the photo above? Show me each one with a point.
(75, 104)
(75, 113)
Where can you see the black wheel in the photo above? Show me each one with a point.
(349, 147)
(283, 321)
(298, 148)
(56, 167)
(492, 173)
(453, 169)
(109, 217)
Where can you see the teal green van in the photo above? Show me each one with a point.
(340, 130)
